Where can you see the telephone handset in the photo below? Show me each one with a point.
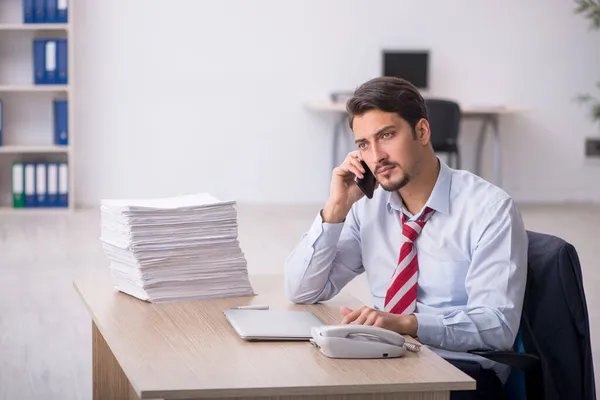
(359, 341)
(367, 182)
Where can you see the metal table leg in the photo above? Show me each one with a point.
(497, 174)
(480, 143)
(338, 133)
(491, 120)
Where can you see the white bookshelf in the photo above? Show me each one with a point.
(34, 27)
(28, 129)
(24, 88)
(34, 149)
(34, 211)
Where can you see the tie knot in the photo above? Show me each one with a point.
(412, 229)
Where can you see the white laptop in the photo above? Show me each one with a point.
(272, 324)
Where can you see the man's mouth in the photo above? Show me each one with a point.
(384, 169)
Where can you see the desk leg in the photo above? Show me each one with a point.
(497, 152)
(109, 381)
(491, 120)
(480, 144)
(338, 135)
(338, 130)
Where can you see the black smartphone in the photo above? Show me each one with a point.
(367, 183)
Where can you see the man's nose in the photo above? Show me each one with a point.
(378, 154)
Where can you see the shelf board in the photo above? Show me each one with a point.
(35, 210)
(11, 149)
(33, 27)
(34, 88)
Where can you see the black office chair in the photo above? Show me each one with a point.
(552, 357)
(444, 119)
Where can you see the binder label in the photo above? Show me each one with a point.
(62, 4)
(63, 183)
(29, 180)
(18, 185)
(51, 55)
(17, 179)
(52, 179)
(41, 184)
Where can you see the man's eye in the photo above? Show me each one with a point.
(362, 146)
(387, 135)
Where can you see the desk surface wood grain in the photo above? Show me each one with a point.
(188, 349)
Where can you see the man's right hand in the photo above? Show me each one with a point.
(343, 191)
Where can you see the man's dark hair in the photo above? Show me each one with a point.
(388, 94)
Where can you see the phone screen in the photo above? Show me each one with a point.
(367, 183)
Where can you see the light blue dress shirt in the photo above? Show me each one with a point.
(472, 263)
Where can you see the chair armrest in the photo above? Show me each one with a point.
(524, 361)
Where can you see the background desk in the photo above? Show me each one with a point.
(489, 119)
(188, 350)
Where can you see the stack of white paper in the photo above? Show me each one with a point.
(176, 248)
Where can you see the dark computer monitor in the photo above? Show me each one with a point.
(410, 65)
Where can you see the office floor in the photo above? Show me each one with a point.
(45, 346)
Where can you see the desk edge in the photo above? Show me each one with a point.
(374, 388)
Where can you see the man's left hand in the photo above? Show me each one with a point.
(403, 324)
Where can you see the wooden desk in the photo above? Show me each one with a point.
(489, 117)
(188, 350)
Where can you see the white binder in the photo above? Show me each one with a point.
(40, 185)
(63, 184)
(52, 185)
(30, 185)
(18, 185)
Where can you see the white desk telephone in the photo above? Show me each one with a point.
(359, 341)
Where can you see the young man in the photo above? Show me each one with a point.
(445, 251)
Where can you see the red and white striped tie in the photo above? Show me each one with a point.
(401, 297)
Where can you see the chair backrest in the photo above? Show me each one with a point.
(444, 120)
(555, 324)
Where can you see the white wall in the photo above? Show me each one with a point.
(183, 96)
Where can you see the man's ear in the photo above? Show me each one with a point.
(423, 131)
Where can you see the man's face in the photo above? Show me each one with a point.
(387, 145)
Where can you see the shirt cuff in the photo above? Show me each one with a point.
(430, 329)
(323, 234)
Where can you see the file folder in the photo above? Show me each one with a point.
(52, 200)
(50, 62)
(61, 122)
(39, 61)
(63, 185)
(51, 11)
(18, 184)
(39, 8)
(29, 185)
(63, 11)
(62, 58)
(40, 185)
(28, 11)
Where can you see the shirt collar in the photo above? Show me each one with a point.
(439, 200)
